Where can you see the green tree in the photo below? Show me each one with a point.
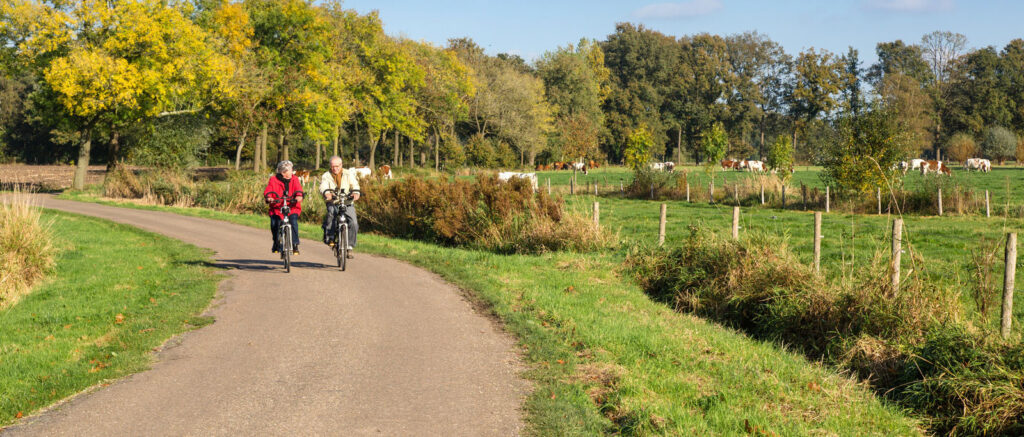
(637, 152)
(941, 50)
(575, 82)
(863, 156)
(817, 81)
(898, 58)
(999, 144)
(714, 144)
(701, 91)
(975, 96)
(913, 108)
(780, 157)
(961, 146)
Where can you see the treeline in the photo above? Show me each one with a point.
(157, 82)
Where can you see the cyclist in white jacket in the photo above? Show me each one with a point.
(331, 180)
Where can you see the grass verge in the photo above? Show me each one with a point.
(605, 358)
(115, 294)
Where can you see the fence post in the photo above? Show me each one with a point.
(621, 189)
(711, 191)
(783, 196)
(1009, 276)
(940, 202)
(897, 240)
(595, 188)
(826, 199)
(878, 194)
(959, 203)
(762, 194)
(572, 186)
(803, 194)
(735, 223)
(597, 214)
(549, 186)
(736, 192)
(988, 210)
(817, 241)
(661, 225)
(652, 190)
(687, 192)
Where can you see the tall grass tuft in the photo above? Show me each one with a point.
(26, 248)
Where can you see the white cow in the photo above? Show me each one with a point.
(757, 166)
(670, 166)
(580, 166)
(915, 164)
(901, 166)
(361, 172)
(506, 175)
(980, 164)
(657, 166)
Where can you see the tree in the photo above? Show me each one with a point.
(897, 57)
(447, 90)
(913, 108)
(941, 49)
(852, 99)
(637, 152)
(816, 83)
(999, 144)
(117, 62)
(714, 144)
(975, 96)
(574, 86)
(702, 89)
(961, 147)
(780, 157)
(863, 156)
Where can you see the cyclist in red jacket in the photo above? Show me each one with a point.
(283, 186)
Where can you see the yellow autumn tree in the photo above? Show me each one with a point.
(115, 62)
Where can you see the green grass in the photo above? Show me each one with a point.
(604, 358)
(115, 294)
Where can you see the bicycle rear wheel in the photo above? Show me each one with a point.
(343, 247)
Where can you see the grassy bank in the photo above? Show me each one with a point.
(115, 294)
(607, 359)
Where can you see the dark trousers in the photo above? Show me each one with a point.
(275, 223)
(353, 224)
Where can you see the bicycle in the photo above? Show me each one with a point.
(341, 228)
(284, 234)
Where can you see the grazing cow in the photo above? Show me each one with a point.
(361, 172)
(935, 166)
(303, 175)
(915, 164)
(728, 163)
(980, 164)
(593, 164)
(580, 166)
(901, 166)
(657, 166)
(385, 171)
(757, 166)
(558, 165)
(506, 175)
(670, 166)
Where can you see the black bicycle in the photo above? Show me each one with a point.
(341, 242)
(284, 234)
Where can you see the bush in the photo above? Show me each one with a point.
(961, 147)
(26, 248)
(483, 213)
(999, 144)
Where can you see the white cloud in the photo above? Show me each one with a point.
(910, 5)
(692, 8)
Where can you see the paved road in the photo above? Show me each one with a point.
(381, 349)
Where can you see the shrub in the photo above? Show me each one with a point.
(961, 147)
(26, 248)
(780, 157)
(482, 213)
(999, 144)
(910, 345)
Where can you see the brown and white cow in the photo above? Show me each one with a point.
(729, 164)
(303, 176)
(385, 171)
(980, 164)
(935, 166)
(361, 172)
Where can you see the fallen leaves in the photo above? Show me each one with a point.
(119, 318)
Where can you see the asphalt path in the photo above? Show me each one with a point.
(383, 348)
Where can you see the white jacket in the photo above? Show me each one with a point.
(349, 182)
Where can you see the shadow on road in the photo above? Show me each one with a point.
(257, 264)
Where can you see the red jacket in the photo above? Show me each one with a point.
(275, 189)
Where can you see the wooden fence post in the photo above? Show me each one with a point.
(736, 192)
(735, 223)
(783, 196)
(878, 194)
(988, 210)
(762, 194)
(661, 225)
(597, 214)
(711, 191)
(817, 241)
(549, 186)
(595, 188)
(940, 202)
(621, 189)
(897, 240)
(572, 186)
(687, 192)
(826, 199)
(1009, 275)
(652, 190)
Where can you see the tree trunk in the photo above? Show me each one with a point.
(373, 148)
(115, 151)
(282, 148)
(241, 144)
(679, 145)
(318, 155)
(437, 151)
(82, 166)
(412, 153)
(396, 157)
(337, 134)
(761, 153)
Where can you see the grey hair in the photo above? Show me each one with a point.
(284, 166)
(333, 157)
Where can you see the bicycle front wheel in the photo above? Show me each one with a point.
(343, 245)
(286, 248)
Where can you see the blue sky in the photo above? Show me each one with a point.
(531, 27)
